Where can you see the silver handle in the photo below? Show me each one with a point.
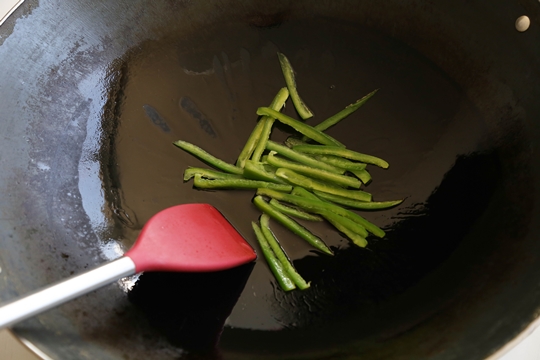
(63, 291)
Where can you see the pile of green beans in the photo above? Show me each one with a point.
(312, 178)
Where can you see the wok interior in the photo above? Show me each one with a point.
(454, 117)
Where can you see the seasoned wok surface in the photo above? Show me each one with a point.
(101, 106)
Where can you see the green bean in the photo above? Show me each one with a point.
(316, 206)
(257, 171)
(280, 254)
(292, 225)
(356, 238)
(335, 150)
(251, 143)
(345, 222)
(210, 159)
(277, 104)
(310, 184)
(288, 74)
(257, 133)
(274, 264)
(353, 230)
(208, 174)
(358, 204)
(309, 204)
(300, 191)
(340, 162)
(300, 214)
(201, 183)
(363, 175)
(302, 158)
(291, 141)
(332, 120)
(315, 173)
(299, 126)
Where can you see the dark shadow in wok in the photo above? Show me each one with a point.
(190, 309)
(360, 282)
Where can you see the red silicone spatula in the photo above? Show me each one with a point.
(186, 238)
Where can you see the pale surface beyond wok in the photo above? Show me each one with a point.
(474, 299)
(12, 349)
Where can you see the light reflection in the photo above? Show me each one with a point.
(90, 179)
(127, 283)
(90, 182)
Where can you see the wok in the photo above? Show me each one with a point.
(92, 93)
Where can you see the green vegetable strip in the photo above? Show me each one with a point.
(291, 141)
(255, 136)
(302, 158)
(299, 126)
(336, 150)
(315, 173)
(291, 225)
(363, 175)
(331, 121)
(256, 171)
(300, 191)
(208, 174)
(201, 183)
(265, 134)
(356, 238)
(251, 143)
(210, 159)
(310, 184)
(280, 254)
(288, 74)
(354, 231)
(345, 222)
(316, 206)
(341, 162)
(274, 264)
(277, 104)
(300, 214)
(358, 204)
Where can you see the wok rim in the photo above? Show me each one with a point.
(35, 350)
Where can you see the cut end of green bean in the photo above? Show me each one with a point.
(363, 175)
(292, 141)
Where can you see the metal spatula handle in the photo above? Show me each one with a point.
(63, 291)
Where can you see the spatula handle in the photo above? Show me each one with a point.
(56, 294)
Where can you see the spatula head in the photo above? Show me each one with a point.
(189, 238)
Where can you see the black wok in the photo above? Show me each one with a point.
(92, 93)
